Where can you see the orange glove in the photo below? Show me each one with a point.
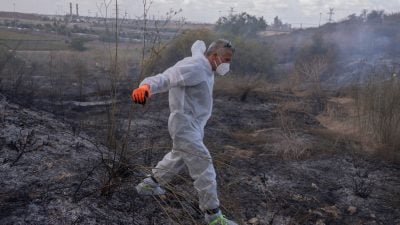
(139, 95)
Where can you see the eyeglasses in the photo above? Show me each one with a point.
(230, 46)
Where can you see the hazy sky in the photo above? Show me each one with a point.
(296, 12)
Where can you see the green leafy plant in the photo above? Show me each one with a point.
(78, 44)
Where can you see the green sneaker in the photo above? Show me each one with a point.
(219, 219)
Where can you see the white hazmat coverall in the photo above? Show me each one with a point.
(190, 84)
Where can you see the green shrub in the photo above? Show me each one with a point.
(5, 56)
(251, 56)
(78, 44)
(318, 47)
(242, 24)
(176, 50)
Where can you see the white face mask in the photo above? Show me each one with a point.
(222, 68)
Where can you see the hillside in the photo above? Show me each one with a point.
(53, 174)
(17, 15)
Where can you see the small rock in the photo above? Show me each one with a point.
(314, 186)
(352, 210)
(320, 222)
(332, 210)
(254, 220)
(373, 215)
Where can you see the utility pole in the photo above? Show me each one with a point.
(70, 13)
(231, 11)
(364, 15)
(116, 38)
(330, 13)
(15, 20)
(320, 15)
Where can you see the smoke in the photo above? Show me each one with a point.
(367, 47)
(360, 44)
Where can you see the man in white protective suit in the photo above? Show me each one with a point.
(190, 85)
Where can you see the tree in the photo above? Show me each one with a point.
(375, 16)
(315, 60)
(353, 18)
(78, 44)
(241, 24)
(253, 57)
(277, 23)
(177, 49)
(312, 70)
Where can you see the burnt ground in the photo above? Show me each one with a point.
(274, 167)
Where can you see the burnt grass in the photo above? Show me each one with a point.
(55, 167)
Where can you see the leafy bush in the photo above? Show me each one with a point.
(176, 50)
(5, 57)
(241, 24)
(318, 47)
(375, 16)
(78, 44)
(251, 56)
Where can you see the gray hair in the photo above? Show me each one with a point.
(218, 45)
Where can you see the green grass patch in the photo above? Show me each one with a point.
(30, 41)
(22, 35)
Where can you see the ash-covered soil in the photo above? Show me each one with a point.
(273, 167)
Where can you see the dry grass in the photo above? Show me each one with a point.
(299, 106)
(338, 116)
(287, 141)
(292, 146)
(341, 128)
(233, 152)
(369, 117)
(338, 119)
(256, 137)
(378, 114)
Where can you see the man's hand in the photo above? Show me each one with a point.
(139, 95)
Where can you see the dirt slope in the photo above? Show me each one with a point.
(49, 175)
